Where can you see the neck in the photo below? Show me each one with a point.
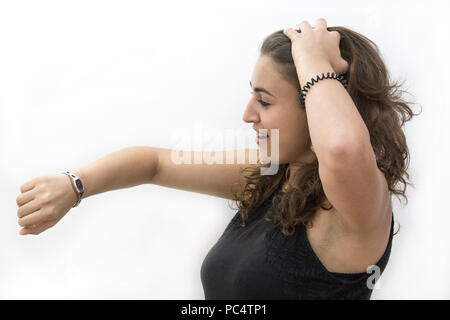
(306, 157)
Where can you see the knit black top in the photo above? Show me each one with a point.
(259, 262)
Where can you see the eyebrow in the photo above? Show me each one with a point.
(257, 89)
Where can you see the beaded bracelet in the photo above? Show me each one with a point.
(308, 85)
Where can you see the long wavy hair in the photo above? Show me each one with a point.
(381, 106)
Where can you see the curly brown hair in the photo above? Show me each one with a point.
(381, 106)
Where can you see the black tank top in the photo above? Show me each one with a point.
(259, 262)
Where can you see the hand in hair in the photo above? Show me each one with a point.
(316, 43)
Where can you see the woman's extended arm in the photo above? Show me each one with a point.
(124, 168)
(166, 167)
(44, 200)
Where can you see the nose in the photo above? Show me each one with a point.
(250, 114)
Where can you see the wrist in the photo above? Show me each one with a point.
(311, 66)
(310, 57)
(80, 174)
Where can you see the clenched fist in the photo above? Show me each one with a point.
(43, 201)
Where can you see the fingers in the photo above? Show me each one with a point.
(305, 26)
(290, 33)
(25, 197)
(28, 208)
(321, 23)
(28, 185)
(37, 229)
(336, 34)
(33, 218)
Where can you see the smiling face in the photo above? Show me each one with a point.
(283, 112)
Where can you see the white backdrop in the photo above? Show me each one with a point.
(79, 80)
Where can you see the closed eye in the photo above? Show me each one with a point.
(261, 102)
(264, 104)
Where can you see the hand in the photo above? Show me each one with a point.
(43, 202)
(318, 44)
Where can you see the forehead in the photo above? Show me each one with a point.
(267, 75)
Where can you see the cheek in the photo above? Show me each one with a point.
(293, 142)
(290, 137)
(284, 146)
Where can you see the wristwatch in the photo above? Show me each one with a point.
(77, 186)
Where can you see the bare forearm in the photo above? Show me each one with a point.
(124, 168)
(333, 119)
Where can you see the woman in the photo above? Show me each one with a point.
(321, 227)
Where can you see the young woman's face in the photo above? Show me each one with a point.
(283, 112)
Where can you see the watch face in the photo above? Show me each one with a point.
(79, 185)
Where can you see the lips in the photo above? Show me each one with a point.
(261, 136)
(258, 138)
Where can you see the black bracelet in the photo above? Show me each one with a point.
(308, 85)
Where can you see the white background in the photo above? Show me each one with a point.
(79, 80)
